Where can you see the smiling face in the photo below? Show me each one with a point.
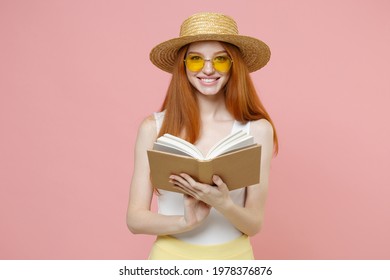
(207, 80)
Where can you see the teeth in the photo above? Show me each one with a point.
(208, 80)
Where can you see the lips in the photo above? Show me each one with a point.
(208, 81)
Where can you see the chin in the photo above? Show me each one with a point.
(209, 92)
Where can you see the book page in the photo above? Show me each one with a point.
(171, 149)
(172, 144)
(228, 138)
(176, 143)
(232, 142)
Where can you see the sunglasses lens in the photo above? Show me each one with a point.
(195, 63)
(222, 63)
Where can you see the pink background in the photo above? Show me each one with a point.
(76, 81)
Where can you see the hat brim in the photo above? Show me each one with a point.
(255, 53)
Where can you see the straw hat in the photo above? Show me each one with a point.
(206, 27)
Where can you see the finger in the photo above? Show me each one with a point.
(181, 190)
(220, 184)
(184, 185)
(196, 185)
(185, 190)
(188, 178)
(187, 196)
(182, 181)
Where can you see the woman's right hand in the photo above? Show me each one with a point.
(195, 211)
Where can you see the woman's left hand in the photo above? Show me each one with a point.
(216, 196)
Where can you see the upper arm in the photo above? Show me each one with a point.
(141, 190)
(262, 131)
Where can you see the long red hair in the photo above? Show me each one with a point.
(181, 107)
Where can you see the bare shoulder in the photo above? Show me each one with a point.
(148, 126)
(263, 133)
(262, 130)
(147, 131)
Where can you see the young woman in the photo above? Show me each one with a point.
(210, 96)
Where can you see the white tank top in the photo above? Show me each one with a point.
(216, 228)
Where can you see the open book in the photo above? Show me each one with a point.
(236, 159)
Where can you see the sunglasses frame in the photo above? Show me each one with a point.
(212, 62)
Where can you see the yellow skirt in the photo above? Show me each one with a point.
(170, 248)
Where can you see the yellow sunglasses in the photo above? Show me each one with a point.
(195, 62)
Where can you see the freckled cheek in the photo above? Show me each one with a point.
(226, 79)
(191, 78)
(196, 83)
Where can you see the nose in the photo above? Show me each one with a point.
(208, 67)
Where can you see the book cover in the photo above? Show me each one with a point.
(239, 167)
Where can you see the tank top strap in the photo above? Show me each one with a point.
(159, 118)
(237, 126)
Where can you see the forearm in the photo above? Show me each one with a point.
(148, 222)
(247, 220)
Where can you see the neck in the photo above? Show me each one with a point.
(212, 107)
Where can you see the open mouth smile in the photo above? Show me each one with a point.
(208, 81)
